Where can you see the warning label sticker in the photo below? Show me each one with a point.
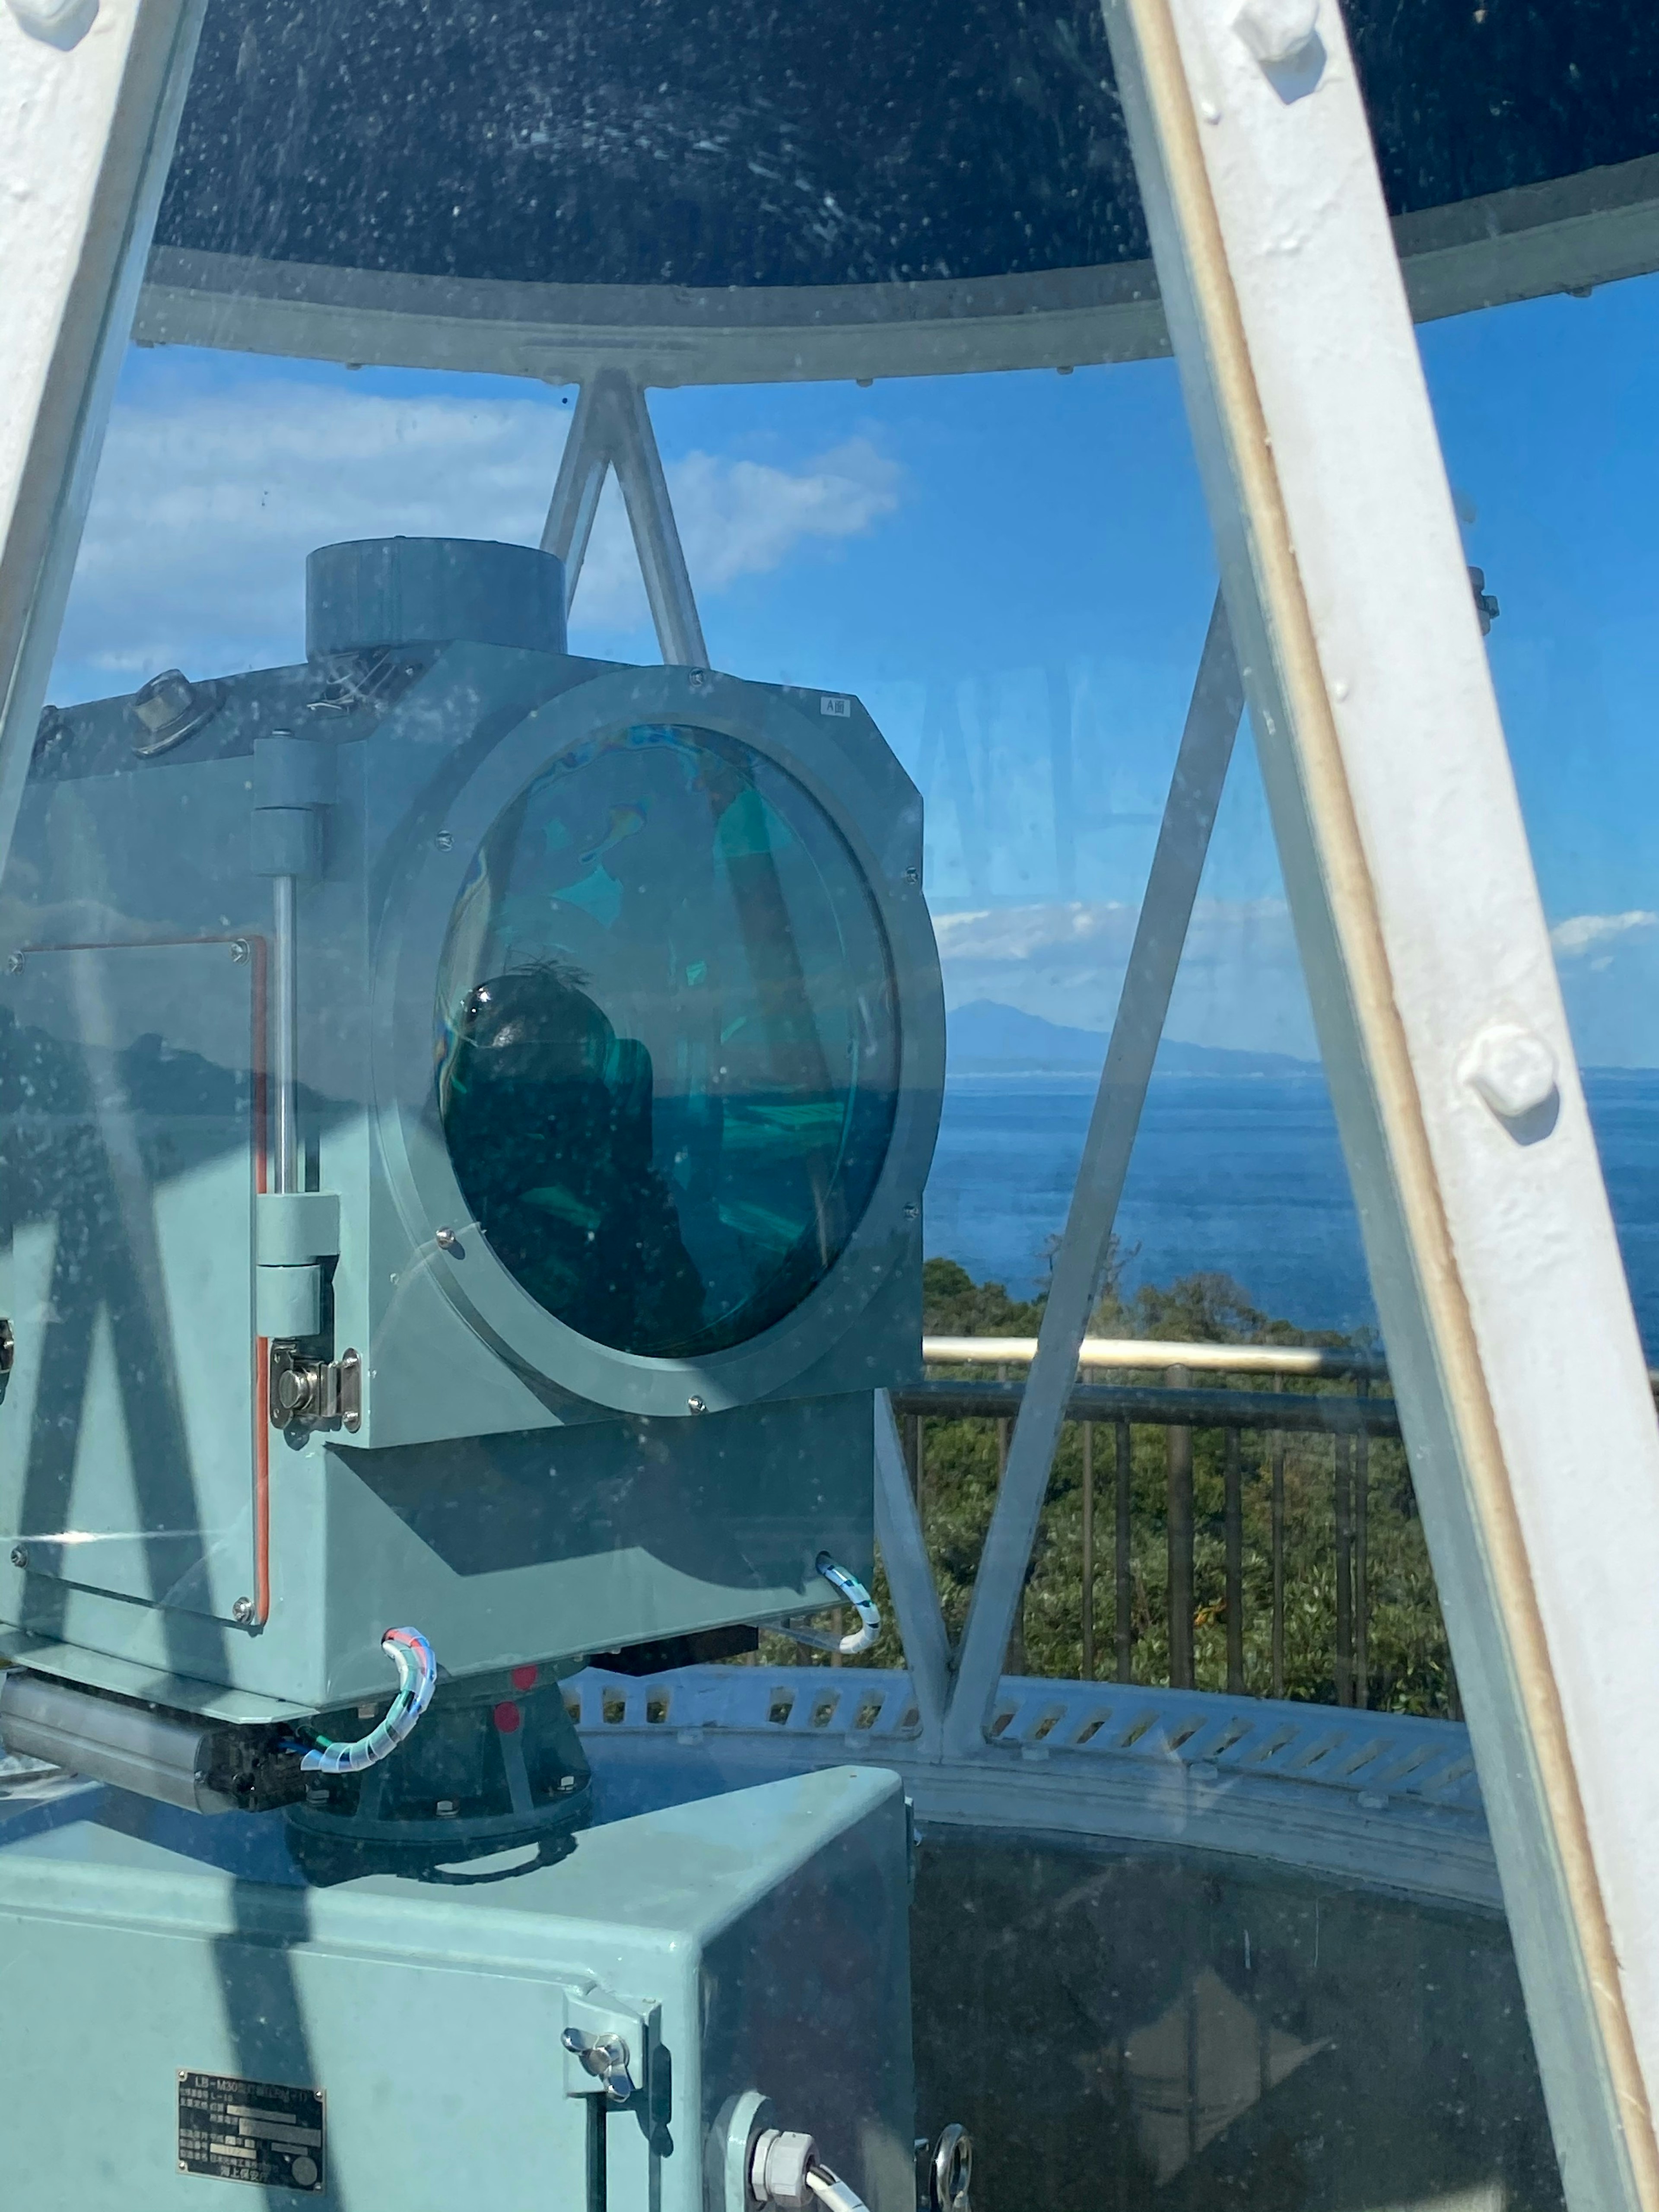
(259, 2131)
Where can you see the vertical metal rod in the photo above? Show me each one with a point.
(1124, 1561)
(1088, 1550)
(910, 1582)
(1342, 1457)
(1362, 1479)
(285, 1037)
(1276, 1448)
(1206, 744)
(921, 1470)
(1235, 1514)
(597, 2180)
(1179, 1527)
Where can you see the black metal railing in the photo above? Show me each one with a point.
(1269, 1500)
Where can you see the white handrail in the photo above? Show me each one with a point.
(1151, 1353)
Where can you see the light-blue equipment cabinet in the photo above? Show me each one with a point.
(464, 1113)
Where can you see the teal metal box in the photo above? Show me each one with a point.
(754, 1942)
(574, 1404)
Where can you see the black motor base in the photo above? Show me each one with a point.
(493, 1762)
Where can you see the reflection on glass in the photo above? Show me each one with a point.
(668, 1053)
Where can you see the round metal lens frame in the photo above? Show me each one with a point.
(841, 764)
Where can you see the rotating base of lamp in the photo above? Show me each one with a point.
(494, 1766)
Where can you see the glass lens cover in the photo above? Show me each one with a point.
(668, 1045)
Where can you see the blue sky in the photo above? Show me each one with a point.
(983, 559)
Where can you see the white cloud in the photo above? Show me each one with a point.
(1070, 931)
(1240, 981)
(1595, 933)
(206, 506)
(1082, 936)
(742, 517)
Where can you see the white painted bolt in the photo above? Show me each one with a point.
(59, 23)
(1511, 1068)
(1277, 31)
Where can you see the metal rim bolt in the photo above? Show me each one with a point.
(20, 1555)
(239, 949)
(14, 964)
(447, 1240)
(1512, 1069)
(1278, 32)
(242, 1612)
(62, 23)
(697, 1406)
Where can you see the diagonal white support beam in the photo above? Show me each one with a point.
(910, 1578)
(611, 429)
(583, 466)
(1206, 747)
(1523, 1389)
(90, 106)
(656, 535)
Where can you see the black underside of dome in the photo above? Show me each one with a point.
(713, 143)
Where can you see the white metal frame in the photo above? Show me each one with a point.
(1523, 1393)
(1587, 229)
(611, 429)
(1200, 770)
(1521, 1387)
(90, 98)
(1387, 1799)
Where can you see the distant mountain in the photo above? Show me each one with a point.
(988, 1039)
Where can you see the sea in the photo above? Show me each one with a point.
(1244, 1175)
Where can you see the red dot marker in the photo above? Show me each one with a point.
(524, 1677)
(507, 1718)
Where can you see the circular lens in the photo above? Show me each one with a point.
(668, 1052)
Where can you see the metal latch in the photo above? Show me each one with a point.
(605, 2056)
(607, 2041)
(315, 1394)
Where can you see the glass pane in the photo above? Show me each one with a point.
(495, 1211)
(668, 1092)
(1557, 524)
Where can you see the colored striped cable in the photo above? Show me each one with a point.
(846, 1584)
(417, 1677)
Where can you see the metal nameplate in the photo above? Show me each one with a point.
(259, 2131)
